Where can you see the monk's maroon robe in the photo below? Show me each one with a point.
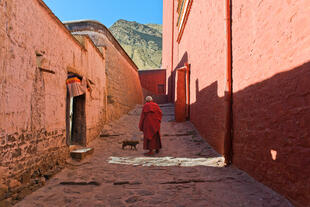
(150, 125)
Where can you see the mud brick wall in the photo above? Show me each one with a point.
(271, 75)
(36, 53)
(124, 89)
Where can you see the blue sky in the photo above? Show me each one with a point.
(108, 11)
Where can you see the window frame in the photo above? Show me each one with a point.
(183, 10)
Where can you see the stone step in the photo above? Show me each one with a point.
(166, 105)
(81, 153)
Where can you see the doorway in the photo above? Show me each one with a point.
(76, 120)
(182, 103)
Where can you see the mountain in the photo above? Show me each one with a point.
(142, 42)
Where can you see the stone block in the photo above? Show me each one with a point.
(80, 154)
(22, 194)
(26, 177)
(5, 203)
(17, 152)
(14, 184)
(3, 191)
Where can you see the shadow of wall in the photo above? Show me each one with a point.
(172, 78)
(208, 115)
(271, 130)
(272, 118)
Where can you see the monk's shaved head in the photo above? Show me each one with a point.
(148, 99)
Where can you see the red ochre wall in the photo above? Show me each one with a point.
(167, 42)
(203, 47)
(150, 79)
(271, 85)
(271, 76)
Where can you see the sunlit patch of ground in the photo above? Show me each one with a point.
(168, 161)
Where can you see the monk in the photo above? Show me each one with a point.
(150, 125)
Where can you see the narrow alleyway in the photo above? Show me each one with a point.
(187, 172)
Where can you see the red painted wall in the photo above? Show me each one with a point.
(167, 42)
(271, 75)
(154, 81)
(203, 47)
(271, 85)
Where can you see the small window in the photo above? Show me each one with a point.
(161, 89)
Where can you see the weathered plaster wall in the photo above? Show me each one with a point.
(124, 87)
(271, 75)
(33, 102)
(123, 84)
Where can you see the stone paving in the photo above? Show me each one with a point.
(186, 172)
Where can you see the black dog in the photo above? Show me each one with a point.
(130, 143)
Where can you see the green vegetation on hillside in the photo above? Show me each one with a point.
(142, 42)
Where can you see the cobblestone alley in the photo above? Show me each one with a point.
(186, 172)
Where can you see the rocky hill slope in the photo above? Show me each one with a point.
(142, 42)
